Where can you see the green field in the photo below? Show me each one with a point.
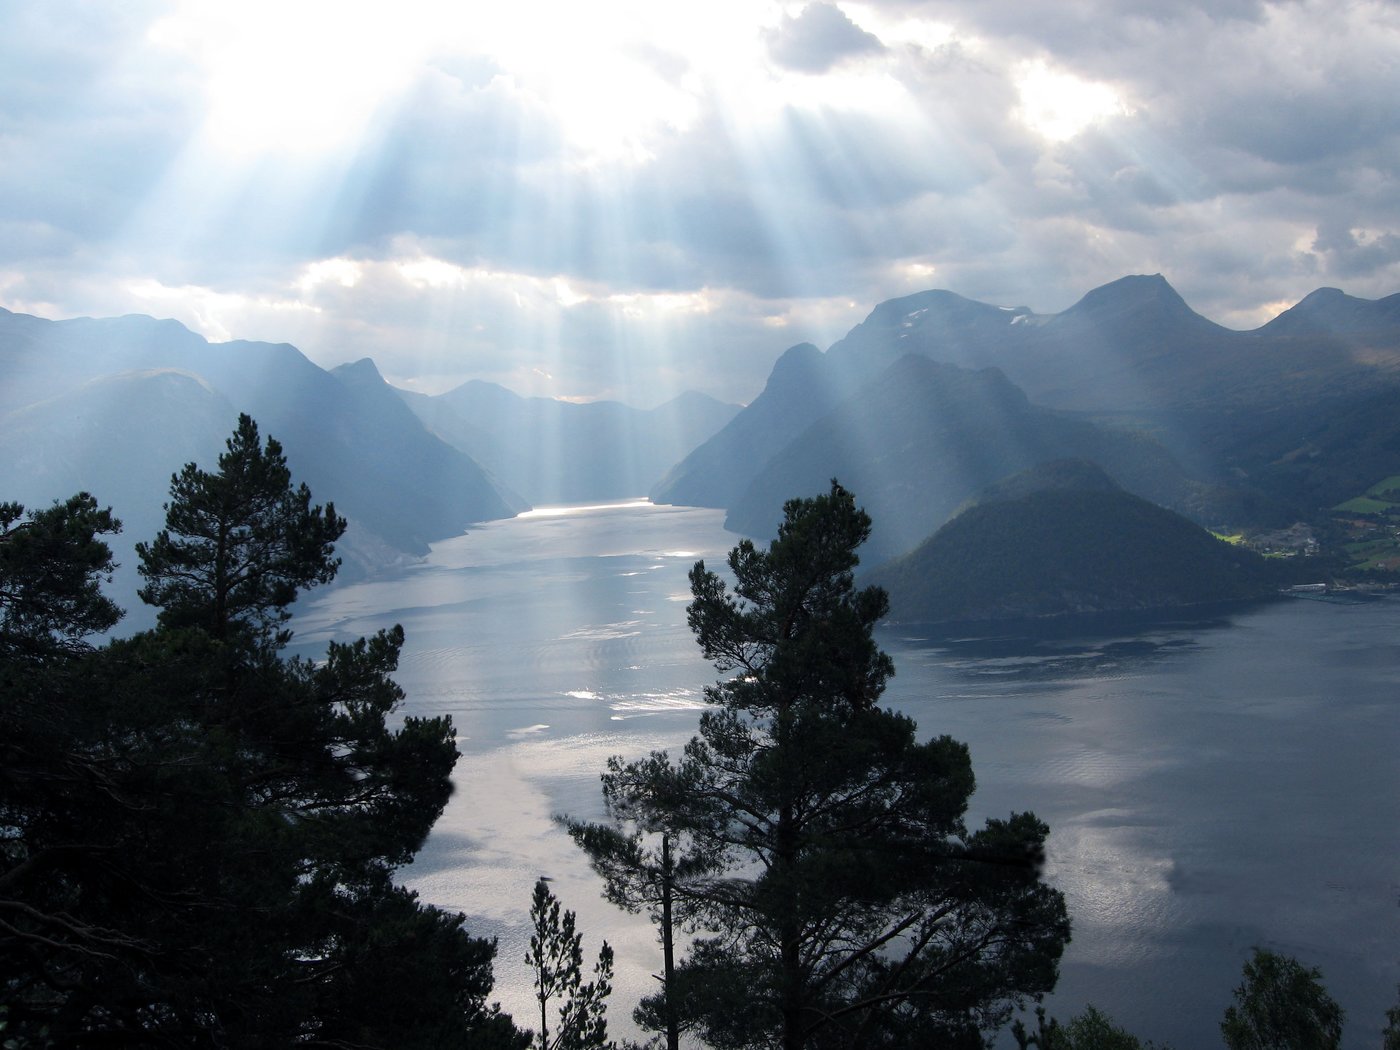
(1380, 488)
(1381, 503)
(1374, 499)
(1365, 505)
(1370, 554)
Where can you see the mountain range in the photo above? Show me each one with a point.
(1135, 346)
(931, 399)
(115, 406)
(934, 396)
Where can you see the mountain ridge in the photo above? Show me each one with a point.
(915, 442)
(1061, 540)
(1130, 356)
(553, 451)
(400, 487)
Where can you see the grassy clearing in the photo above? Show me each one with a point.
(1380, 553)
(1364, 505)
(1388, 560)
(1234, 539)
(1367, 548)
(1391, 483)
(1380, 498)
(1379, 547)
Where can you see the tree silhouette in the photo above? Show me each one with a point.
(198, 836)
(52, 564)
(556, 957)
(1281, 1005)
(847, 903)
(239, 543)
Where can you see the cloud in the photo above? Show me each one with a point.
(1351, 251)
(630, 196)
(818, 38)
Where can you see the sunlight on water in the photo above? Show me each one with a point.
(626, 629)
(1117, 887)
(516, 734)
(1209, 787)
(679, 700)
(571, 509)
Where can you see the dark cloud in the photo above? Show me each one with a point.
(818, 38)
(1083, 29)
(1350, 253)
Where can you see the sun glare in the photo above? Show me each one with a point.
(311, 77)
(620, 75)
(206, 311)
(914, 272)
(1059, 105)
(300, 78)
(344, 272)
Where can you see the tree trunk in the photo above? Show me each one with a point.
(668, 947)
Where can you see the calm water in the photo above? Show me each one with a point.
(1210, 786)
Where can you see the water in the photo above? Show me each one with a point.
(1211, 784)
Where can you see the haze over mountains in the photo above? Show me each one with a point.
(115, 406)
(1135, 346)
(560, 452)
(1246, 427)
(931, 399)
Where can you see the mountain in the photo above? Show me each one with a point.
(113, 435)
(802, 386)
(416, 474)
(1134, 345)
(1330, 311)
(1062, 539)
(561, 452)
(923, 437)
(1104, 352)
(934, 323)
(1318, 455)
(1241, 413)
(116, 406)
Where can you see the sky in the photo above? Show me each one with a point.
(621, 199)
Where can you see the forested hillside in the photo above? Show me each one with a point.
(1064, 540)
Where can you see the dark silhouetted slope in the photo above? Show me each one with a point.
(1060, 541)
(1240, 411)
(117, 405)
(801, 387)
(922, 438)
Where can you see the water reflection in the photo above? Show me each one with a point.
(1067, 647)
(1211, 782)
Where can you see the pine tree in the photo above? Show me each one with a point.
(653, 869)
(52, 564)
(852, 906)
(239, 543)
(200, 836)
(556, 957)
